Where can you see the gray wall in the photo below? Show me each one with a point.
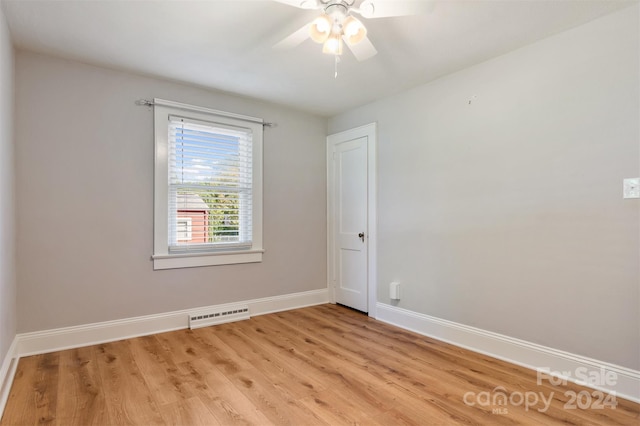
(500, 192)
(84, 167)
(8, 313)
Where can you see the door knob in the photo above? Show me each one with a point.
(361, 235)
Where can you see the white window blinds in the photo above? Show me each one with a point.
(210, 186)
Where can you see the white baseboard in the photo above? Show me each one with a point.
(7, 372)
(91, 334)
(565, 365)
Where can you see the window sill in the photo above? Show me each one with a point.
(193, 260)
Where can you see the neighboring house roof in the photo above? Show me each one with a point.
(191, 202)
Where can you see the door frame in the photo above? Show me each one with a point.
(370, 132)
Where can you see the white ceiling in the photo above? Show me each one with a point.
(227, 44)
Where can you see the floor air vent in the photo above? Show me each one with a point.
(228, 314)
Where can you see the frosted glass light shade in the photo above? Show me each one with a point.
(353, 30)
(333, 45)
(320, 29)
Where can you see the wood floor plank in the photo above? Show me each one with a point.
(227, 403)
(223, 356)
(158, 370)
(358, 384)
(250, 349)
(33, 396)
(270, 363)
(309, 368)
(128, 396)
(20, 405)
(364, 361)
(319, 365)
(424, 386)
(188, 412)
(281, 408)
(481, 372)
(80, 383)
(183, 346)
(335, 410)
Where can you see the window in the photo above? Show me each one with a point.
(208, 187)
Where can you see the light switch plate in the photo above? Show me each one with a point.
(631, 188)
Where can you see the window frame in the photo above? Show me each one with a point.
(162, 257)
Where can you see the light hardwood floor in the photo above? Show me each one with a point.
(319, 365)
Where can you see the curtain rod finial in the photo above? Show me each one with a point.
(144, 102)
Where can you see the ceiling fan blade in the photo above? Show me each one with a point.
(294, 39)
(388, 8)
(302, 4)
(362, 50)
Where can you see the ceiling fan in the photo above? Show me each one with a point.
(337, 25)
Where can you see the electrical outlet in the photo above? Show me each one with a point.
(631, 188)
(394, 291)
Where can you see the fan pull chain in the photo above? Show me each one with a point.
(335, 75)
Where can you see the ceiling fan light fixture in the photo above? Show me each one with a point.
(353, 30)
(320, 28)
(333, 45)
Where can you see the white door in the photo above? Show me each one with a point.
(349, 210)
